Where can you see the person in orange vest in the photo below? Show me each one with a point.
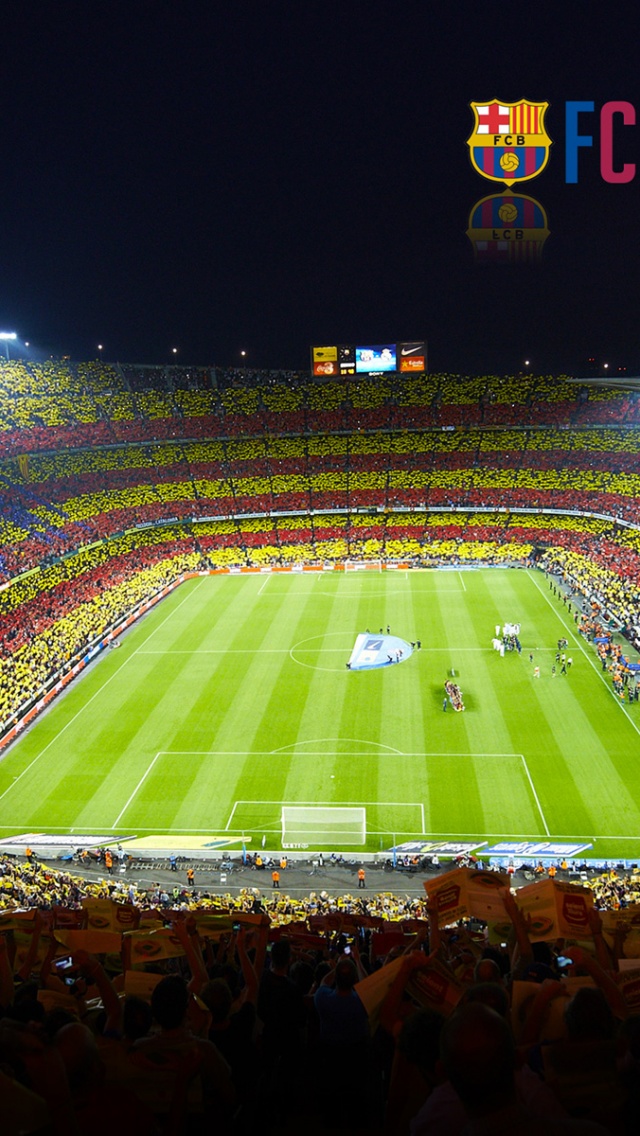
(275, 878)
(29, 855)
(552, 871)
(108, 861)
(361, 877)
(191, 877)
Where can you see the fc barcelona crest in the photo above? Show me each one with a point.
(509, 141)
(508, 228)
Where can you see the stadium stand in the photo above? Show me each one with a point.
(115, 482)
(353, 992)
(157, 468)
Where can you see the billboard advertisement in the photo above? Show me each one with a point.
(324, 360)
(412, 356)
(346, 359)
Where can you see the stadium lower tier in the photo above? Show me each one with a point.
(50, 616)
(53, 504)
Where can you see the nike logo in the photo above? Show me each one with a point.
(412, 350)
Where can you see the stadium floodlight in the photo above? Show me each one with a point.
(6, 336)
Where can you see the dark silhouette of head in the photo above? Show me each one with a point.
(479, 1055)
(169, 1002)
(346, 974)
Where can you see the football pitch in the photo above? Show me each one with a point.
(231, 700)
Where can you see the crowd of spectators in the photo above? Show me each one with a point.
(42, 639)
(327, 472)
(50, 615)
(342, 1014)
(70, 499)
(46, 406)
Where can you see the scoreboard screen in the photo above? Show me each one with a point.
(370, 359)
(379, 359)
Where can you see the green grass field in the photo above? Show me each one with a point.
(232, 699)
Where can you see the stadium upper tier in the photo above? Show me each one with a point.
(48, 406)
(115, 480)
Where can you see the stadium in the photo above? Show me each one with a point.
(234, 532)
(378, 627)
(319, 570)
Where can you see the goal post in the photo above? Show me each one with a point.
(339, 825)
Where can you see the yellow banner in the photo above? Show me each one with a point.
(625, 925)
(466, 891)
(139, 984)
(148, 946)
(555, 909)
(105, 915)
(22, 941)
(95, 942)
(16, 920)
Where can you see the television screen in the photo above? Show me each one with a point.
(371, 359)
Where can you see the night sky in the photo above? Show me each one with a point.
(261, 175)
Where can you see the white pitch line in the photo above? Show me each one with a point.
(341, 741)
(226, 827)
(587, 655)
(138, 786)
(361, 804)
(338, 596)
(422, 811)
(263, 585)
(301, 650)
(137, 651)
(328, 753)
(535, 795)
(464, 586)
(214, 831)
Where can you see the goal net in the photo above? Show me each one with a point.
(317, 825)
(363, 566)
